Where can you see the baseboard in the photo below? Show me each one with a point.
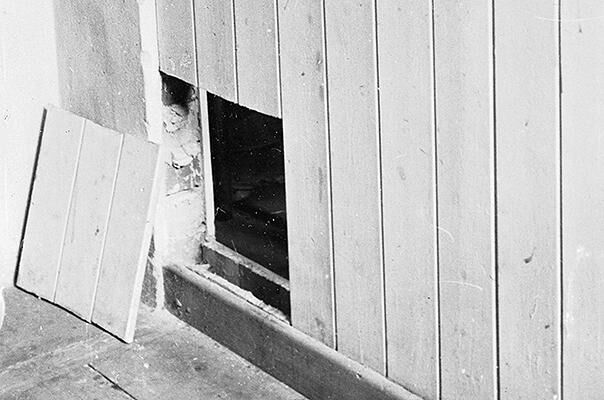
(306, 365)
(248, 275)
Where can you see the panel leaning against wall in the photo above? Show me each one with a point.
(88, 227)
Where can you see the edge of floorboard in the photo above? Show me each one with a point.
(304, 364)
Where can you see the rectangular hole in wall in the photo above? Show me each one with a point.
(249, 183)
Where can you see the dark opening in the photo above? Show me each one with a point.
(249, 183)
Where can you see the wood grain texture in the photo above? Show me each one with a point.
(215, 41)
(307, 168)
(176, 39)
(86, 224)
(464, 102)
(583, 190)
(405, 71)
(127, 239)
(257, 55)
(352, 80)
(49, 206)
(528, 204)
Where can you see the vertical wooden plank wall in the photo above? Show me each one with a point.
(307, 167)
(257, 56)
(176, 36)
(407, 133)
(356, 186)
(583, 198)
(528, 201)
(449, 192)
(215, 42)
(464, 118)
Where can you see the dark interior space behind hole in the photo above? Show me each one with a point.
(249, 183)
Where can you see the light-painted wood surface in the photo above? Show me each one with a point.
(87, 222)
(464, 116)
(407, 133)
(176, 39)
(583, 193)
(49, 206)
(357, 227)
(127, 239)
(257, 55)
(206, 158)
(528, 204)
(215, 41)
(307, 167)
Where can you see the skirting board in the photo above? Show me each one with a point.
(248, 275)
(294, 358)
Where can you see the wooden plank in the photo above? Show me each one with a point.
(528, 204)
(49, 207)
(302, 363)
(176, 39)
(582, 162)
(87, 221)
(248, 275)
(257, 55)
(351, 68)
(407, 134)
(307, 168)
(152, 81)
(215, 41)
(127, 239)
(206, 158)
(464, 114)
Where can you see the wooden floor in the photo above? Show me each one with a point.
(45, 353)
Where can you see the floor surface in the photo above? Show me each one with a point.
(46, 353)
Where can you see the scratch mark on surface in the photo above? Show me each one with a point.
(462, 283)
(447, 232)
(569, 19)
(114, 384)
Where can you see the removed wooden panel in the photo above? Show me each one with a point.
(49, 207)
(583, 191)
(127, 241)
(307, 169)
(406, 89)
(528, 204)
(257, 55)
(464, 101)
(87, 222)
(357, 226)
(176, 37)
(215, 41)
